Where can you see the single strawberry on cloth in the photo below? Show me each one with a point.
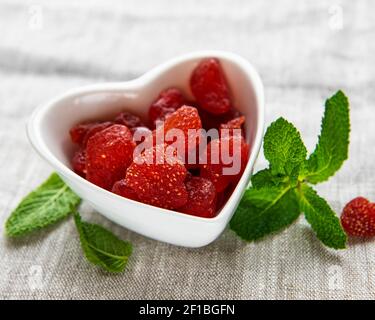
(358, 218)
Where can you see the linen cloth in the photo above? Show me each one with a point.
(304, 51)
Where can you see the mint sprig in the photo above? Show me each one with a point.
(281, 192)
(54, 200)
(102, 247)
(48, 204)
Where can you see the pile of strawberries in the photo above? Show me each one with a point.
(105, 154)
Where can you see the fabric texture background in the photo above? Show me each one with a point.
(304, 51)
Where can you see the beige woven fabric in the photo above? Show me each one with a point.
(304, 51)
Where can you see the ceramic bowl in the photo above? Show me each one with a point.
(48, 131)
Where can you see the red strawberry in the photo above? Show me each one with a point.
(358, 218)
(168, 102)
(221, 199)
(157, 180)
(229, 127)
(210, 120)
(79, 162)
(140, 134)
(109, 153)
(209, 86)
(185, 118)
(216, 152)
(123, 190)
(201, 198)
(78, 132)
(128, 119)
(223, 196)
(95, 128)
(235, 123)
(81, 132)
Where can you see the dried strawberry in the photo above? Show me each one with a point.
(217, 150)
(223, 197)
(228, 127)
(123, 190)
(235, 123)
(156, 183)
(189, 175)
(358, 218)
(78, 132)
(167, 102)
(210, 120)
(201, 198)
(140, 134)
(129, 119)
(209, 86)
(109, 152)
(79, 162)
(185, 118)
(81, 132)
(95, 128)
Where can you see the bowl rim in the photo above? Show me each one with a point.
(37, 141)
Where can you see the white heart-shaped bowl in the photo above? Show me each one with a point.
(48, 131)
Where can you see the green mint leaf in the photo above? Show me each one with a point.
(49, 203)
(265, 210)
(265, 178)
(321, 218)
(332, 148)
(284, 148)
(101, 247)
